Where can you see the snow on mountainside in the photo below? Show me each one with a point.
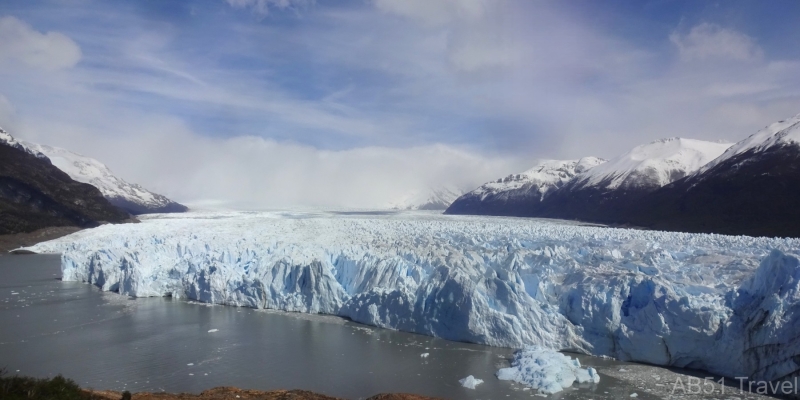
(520, 194)
(751, 189)
(652, 165)
(543, 177)
(131, 197)
(726, 304)
(6, 138)
(430, 199)
(34, 194)
(780, 133)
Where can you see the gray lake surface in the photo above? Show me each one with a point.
(107, 341)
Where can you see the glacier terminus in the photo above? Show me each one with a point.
(729, 305)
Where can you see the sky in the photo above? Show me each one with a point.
(356, 103)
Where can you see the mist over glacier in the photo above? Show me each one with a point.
(725, 304)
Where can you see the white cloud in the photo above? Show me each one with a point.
(262, 7)
(436, 12)
(709, 41)
(479, 49)
(165, 156)
(20, 43)
(475, 37)
(500, 86)
(7, 112)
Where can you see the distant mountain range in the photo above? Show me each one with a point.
(522, 194)
(750, 187)
(43, 186)
(428, 199)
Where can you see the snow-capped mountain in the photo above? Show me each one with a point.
(8, 140)
(430, 199)
(518, 192)
(748, 188)
(778, 134)
(545, 176)
(608, 193)
(652, 165)
(130, 197)
(751, 189)
(34, 194)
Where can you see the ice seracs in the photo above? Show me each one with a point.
(726, 304)
(546, 370)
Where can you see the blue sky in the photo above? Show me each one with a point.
(354, 103)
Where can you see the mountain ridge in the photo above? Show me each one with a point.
(34, 194)
(431, 199)
(519, 194)
(678, 184)
(131, 197)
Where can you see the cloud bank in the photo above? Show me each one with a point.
(355, 104)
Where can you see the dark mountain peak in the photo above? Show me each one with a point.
(748, 188)
(35, 194)
(8, 140)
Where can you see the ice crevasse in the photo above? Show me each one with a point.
(724, 304)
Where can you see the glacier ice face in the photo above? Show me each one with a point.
(724, 304)
(546, 370)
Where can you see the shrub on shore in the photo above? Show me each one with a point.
(23, 387)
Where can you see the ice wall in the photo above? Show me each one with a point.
(724, 304)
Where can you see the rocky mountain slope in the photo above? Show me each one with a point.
(34, 194)
(749, 188)
(522, 194)
(130, 197)
(606, 193)
(752, 188)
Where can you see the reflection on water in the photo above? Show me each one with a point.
(107, 341)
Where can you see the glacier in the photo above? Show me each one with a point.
(723, 304)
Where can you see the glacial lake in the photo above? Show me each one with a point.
(107, 341)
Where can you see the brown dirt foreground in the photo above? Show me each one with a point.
(232, 393)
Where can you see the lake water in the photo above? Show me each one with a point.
(107, 341)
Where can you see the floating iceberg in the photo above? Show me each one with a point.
(546, 370)
(470, 382)
(725, 304)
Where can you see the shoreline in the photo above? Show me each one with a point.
(13, 241)
(230, 392)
